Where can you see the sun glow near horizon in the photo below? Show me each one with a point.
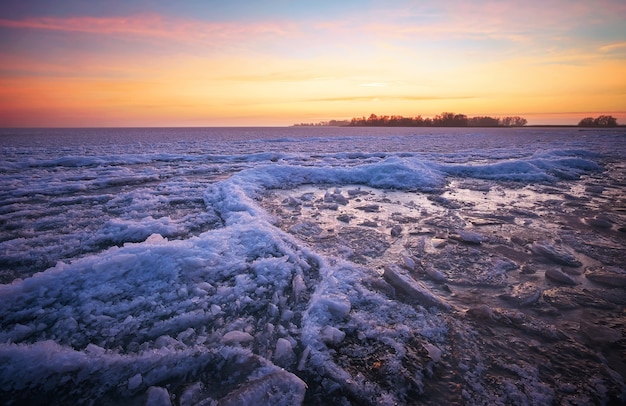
(167, 67)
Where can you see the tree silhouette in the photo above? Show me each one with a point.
(600, 121)
(445, 119)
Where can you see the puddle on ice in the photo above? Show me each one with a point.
(523, 269)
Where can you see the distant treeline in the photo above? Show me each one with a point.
(600, 121)
(331, 123)
(441, 120)
(449, 120)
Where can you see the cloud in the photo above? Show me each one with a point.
(613, 47)
(387, 98)
(150, 26)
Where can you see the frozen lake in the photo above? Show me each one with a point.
(313, 265)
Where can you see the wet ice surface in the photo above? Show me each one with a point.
(488, 250)
(319, 268)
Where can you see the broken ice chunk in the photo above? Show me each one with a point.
(560, 255)
(215, 309)
(336, 197)
(306, 228)
(396, 230)
(438, 242)
(345, 218)
(157, 396)
(599, 222)
(470, 237)
(433, 352)
(434, 274)
(283, 354)
(610, 276)
(191, 395)
(560, 276)
(600, 334)
(400, 280)
(408, 262)
(134, 382)
(369, 208)
(332, 335)
(524, 294)
(298, 287)
(236, 337)
(482, 312)
(336, 305)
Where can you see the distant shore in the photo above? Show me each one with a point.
(474, 126)
(447, 119)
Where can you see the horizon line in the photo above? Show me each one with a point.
(287, 126)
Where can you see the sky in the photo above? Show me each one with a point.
(147, 63)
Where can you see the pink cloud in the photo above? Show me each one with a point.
(151, 26)
(519, 21)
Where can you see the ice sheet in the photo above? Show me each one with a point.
(324, 268)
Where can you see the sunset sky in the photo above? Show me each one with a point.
(278, 62)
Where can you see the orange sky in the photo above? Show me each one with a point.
(191, 64)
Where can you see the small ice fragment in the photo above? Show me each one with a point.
(298, 287)
(369, 208)
(600, 334)
(345, 218)
(470, 237)
(438, 242)
(408, 262)
(594, 189)
(524, 294)
(94, 350)
(155, 239)
(283, 354)
(336, 305)
(368, 223)
(157, 396)
(191, 395)
(355, 192)
(287, 315)
(400, 280)
(560, 255)
(215, 309)
(599, 222)
(236, 337)
(165, 341)
(183, 336)
(332, 335)
(560, 276)
(337, 197)
(272, 309)
(434, 274)
(433, 352)
(135, 381)
(610, 276)
(483, 312)
(303, 358)
(20, 332)
(396, 230)
(306, 228)
(292, 202)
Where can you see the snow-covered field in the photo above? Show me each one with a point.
(313, 265)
